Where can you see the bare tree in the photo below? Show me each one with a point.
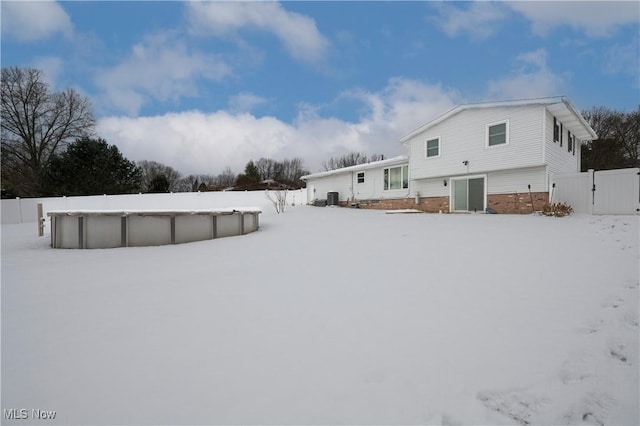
(292, 170)
(226, 179)
(194, 183)
(36, 124)
(618, 143)
(287, 171)
(278, 199)
(152, 169)
(350, 159)
(266, 168)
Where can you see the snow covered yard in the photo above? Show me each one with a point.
(331, 316)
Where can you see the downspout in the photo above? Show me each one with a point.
(544, 147)
(353, 196)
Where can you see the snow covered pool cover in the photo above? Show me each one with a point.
(136, 228)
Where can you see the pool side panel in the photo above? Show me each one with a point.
(110, 229)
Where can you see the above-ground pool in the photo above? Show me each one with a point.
(138, 228)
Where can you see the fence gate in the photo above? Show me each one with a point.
(602, 192)
(616, 192)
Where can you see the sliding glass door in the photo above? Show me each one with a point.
(468, 194)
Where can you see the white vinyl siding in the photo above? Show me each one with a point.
(465, 136)
(337, 183)
(430, 187)
(558, 158)
(517, 181)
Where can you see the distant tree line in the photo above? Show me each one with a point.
(350, 159)
(618, 143)
(266, 173)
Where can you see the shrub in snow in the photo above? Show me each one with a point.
(278, 199)
(557, 209)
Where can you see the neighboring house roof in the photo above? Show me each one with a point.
(560, 106)
(359, 167)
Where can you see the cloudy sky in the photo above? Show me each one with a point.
(201, 86)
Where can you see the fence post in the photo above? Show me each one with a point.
(40, 221)
(19, 209)
(592, 175)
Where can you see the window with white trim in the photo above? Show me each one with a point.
(432, 148)
(361, 177)
(569, 141)
(498, 133)
(572, 141)
(556, 130)
(396, 178)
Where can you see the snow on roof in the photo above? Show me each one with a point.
(358, 167)
(560, 106)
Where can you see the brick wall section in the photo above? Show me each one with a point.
(427, 204)
(517, 203)
(501, 203)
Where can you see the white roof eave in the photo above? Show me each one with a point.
(359, 167)
(571, 119)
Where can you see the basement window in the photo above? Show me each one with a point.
(361, 177)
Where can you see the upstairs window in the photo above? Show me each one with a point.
(572, 141)
(556, 130)
(396, 178)
(498, 133)
(361, 177)
(561, 134)
(432, 148)
(569, 141)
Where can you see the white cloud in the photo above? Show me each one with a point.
(52, 68)
(298, 32)
(624, 59)
(160, 68)
(245, 102)
(531, 78)
(595, 18)
(34, 20)
(195, 142)
(479, 20)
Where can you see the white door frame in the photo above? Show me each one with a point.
(466, 177)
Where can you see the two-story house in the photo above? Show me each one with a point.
(498, 155)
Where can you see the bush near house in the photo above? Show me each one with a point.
(557, 209)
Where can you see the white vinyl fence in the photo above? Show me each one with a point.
(24, 210)
(602, 192)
